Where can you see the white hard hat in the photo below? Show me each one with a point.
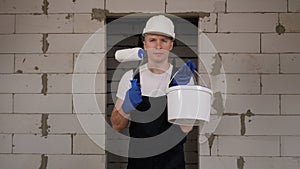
(160, 24)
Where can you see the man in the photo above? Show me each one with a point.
(141, 98)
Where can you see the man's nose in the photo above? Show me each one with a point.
(158, 44)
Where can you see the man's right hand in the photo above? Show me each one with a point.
(133, 97)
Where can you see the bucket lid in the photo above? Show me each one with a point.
(190, 87)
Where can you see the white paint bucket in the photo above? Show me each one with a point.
(189, 105)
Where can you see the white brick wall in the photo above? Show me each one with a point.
(38, 103)
(18, 43)
(195, 6)
(83, 144)
(294, 6)
(16, 123)
(257, 104)
(76, 161)
(7, 24)
(74, 43)
(289, 146)
(80, 124)
(6, 103)
(15, 6)
(157, 6)
(84, 24)
(256, 6)
(249, 146)
(9, 161)
(233, 42)
(289, 63)
(20, 83)
(250, 63)
(261, 67)
(280, 84)
(6, 63)
(290, 21)
(290, 104)
(5, 143)
(247, 22)
(52, 144)
(274, 43)
(44, 63)
(58, 23)
(66, 6)
(271, 162)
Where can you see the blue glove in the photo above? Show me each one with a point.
(133, 97)
(184, 74)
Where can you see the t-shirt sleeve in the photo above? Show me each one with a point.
(124, 85)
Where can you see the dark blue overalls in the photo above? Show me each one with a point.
(172, 158)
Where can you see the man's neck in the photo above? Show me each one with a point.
(158, 68)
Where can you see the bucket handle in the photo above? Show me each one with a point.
(195, 72)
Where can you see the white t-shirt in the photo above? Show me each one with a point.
(152, 84)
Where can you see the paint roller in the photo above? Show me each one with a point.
(127, 55)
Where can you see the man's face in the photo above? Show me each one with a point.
(157, 47)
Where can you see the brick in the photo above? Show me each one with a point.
(9, 161)
(89, 83)
(195, 6)
(135, 6)
(14, 6)
(256, 6)
(38, 103)
(84, 24)
(76, 83)
(271, 162)
(84, 144)
(247, 22)
(59, 83)
(65, 6)
(257, 104)
(208, 24)
(217, 162)
(90, 63)
(280, 84)
(272, 125)
(16, 123)
(54, 23)
(289, 146)
(52, 144)
(204, 148)
(250, 63)
(6, 103)
(89, 103)
(41, 63)
(229, 125)
(20, 83)
(7, 24)
(18, 43)
(290, 104)
(232, 42)
(249, 146)
(274, 43)
(79, 124)
(294, 6)
(83, 43)
(6, 63)
(76, 161)
(289, 63)
(6, 144)
(290, 21)
(243, 84)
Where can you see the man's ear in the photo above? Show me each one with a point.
(172, 45)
